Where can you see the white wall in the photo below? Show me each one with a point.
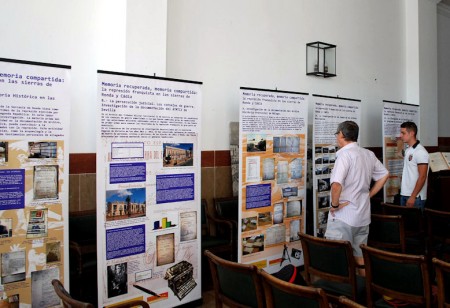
(261, 43)
(88, 35)
(146, 37)
(428, 73)
(443, 31)
(225, 44)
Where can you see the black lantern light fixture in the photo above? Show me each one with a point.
(321, 59)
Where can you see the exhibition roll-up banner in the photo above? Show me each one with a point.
(34, 143)
(148, 189)
(394, 114)
(272, 195)
(328, 113)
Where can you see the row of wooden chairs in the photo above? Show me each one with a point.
(244, 285)
(329, 264)
(409, 230)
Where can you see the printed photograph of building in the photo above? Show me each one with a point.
(125, 203)
(178, 154)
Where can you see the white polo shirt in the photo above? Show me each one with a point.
(414, 156)
(354, 169)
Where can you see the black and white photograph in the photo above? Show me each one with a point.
(322, 218)
(322, 169)
(323, 202)
(5, 227)
(323, 184)
(3, 152)
(256, 142)
(117, 279)
(289, 192)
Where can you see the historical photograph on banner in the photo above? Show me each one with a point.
(34, 180)
(328, 113)
(148, 189)
(273, 130)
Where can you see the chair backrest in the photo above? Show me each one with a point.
(413, 217)
(235, 284)
(204, 216)
(443, 282)
(329, 259)
(346, 302)
(279, 293)
(227, 208)
(400, 276)
(67, 300)
(387, 232)
(438, 226)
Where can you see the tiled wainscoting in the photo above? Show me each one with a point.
(215, 168)
(216, 179)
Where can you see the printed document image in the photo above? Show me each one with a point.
(13, 266)
(37, 224)
(42, 292)
(165, 249)
(45, 182)
(188, 226)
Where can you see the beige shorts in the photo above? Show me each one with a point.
(338, 230)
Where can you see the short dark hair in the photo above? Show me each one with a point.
(349, 129)
(410, 126)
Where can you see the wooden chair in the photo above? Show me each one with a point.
(345, 302)
(333, 263)
(235, 284)
(223, 241)
(443, 282)
(227, 209)
(400, 276)
(438, 234)
(414, 226)
(387, 232)
(69, 302)
(279, 293)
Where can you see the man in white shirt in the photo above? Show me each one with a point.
(415, 168)
(353, 172)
